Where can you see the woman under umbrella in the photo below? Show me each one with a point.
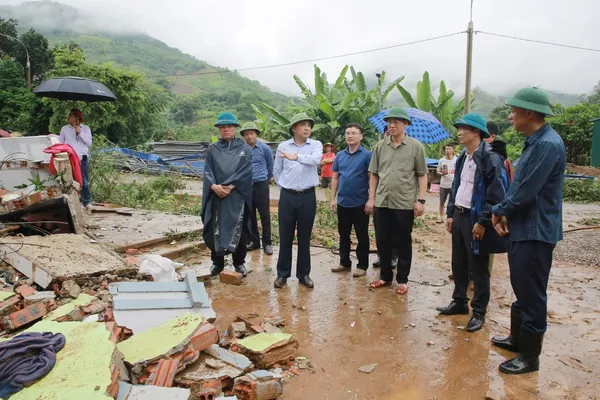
(79, 137)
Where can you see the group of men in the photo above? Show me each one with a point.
(485, 205)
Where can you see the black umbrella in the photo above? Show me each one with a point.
(75, 89)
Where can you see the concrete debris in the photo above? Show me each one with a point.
(237, 360)
(56, 260)
(65, 312)
(238, 329)
(367, 369)
(231, 277)
(143, 305)
(197, 374)
(268, 349)
(136, 392)
(302, 362)
(40, 296)
(213, 363)
(70, 289)
(9, 305)
(258, 385)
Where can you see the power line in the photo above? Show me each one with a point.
(538, 41)
(315, 59)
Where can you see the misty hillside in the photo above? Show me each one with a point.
(132, 50)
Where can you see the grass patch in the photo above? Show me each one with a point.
(581, 191)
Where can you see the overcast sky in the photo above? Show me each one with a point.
(244, 33)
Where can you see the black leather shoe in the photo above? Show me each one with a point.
(216, 270)
(252, 246)
(476, 322)
(306, 281)
(511, 342)
(241, 269)
(377, 264)
(268, 250)
(280, 282)
(454, 309)
(528, 359)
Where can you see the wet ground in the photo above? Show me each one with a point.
(342, 325)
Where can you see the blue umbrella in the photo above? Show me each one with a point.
(425, 127)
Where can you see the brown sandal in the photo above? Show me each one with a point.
(379, 284)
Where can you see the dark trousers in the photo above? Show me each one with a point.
(239, 255)
(262, 204)
(393, 230)
(295, 212)
(357, 218)
(86, 194)
(530, 264)
(465, 263)
(325, 182)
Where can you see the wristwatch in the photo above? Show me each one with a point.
(422, 201)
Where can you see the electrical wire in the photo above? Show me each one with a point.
(538, 41)
(315, 59)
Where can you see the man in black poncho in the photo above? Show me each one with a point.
(227, 195)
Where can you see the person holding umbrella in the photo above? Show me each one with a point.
(79, 137)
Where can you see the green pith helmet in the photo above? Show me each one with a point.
(299, 118)
(398, 112)
(227, 118)
(249, 126)
(474, 120)
(532, 99)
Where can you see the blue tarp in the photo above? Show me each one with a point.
(181, 164)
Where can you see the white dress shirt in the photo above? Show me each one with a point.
(464, 194)
(80, 143)
(299, 174)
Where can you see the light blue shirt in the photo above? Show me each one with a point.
(262, 162)
(299, 174)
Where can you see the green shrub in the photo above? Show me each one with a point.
(582, 191)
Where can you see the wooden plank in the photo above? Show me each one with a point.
(151, 304)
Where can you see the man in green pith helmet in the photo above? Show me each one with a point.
(397, 188)
(476, 188)
(295, 172)
(262, 172)
(227, 195)
(531, 217)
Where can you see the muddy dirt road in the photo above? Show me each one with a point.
(342, 325)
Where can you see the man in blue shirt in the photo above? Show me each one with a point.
(531, 216)
(351, 185)
(295, 172)
(262, 172)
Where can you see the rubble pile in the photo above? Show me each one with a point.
(149, 339)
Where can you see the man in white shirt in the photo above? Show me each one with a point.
(79, 137)
(445, 168)
(295, 172)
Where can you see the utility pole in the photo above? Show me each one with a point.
(469, 62)
(379, 94)
(28, 64)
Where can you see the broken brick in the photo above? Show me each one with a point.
(162, 372)
(205, 336)
(25, 290)
(263, 386)
(96, 307)
(231, 277)
(25, 316)
(10, 305)
(118, 333)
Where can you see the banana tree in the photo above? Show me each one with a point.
(271, 123)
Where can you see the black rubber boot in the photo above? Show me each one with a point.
(216, 269)
(511, 342)
(528, 359)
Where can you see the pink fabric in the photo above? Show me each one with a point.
(73, 158)
(464, 193)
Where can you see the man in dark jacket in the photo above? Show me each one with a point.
(227, 195)
(477, 187)
(499, 147)
(533, 212)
